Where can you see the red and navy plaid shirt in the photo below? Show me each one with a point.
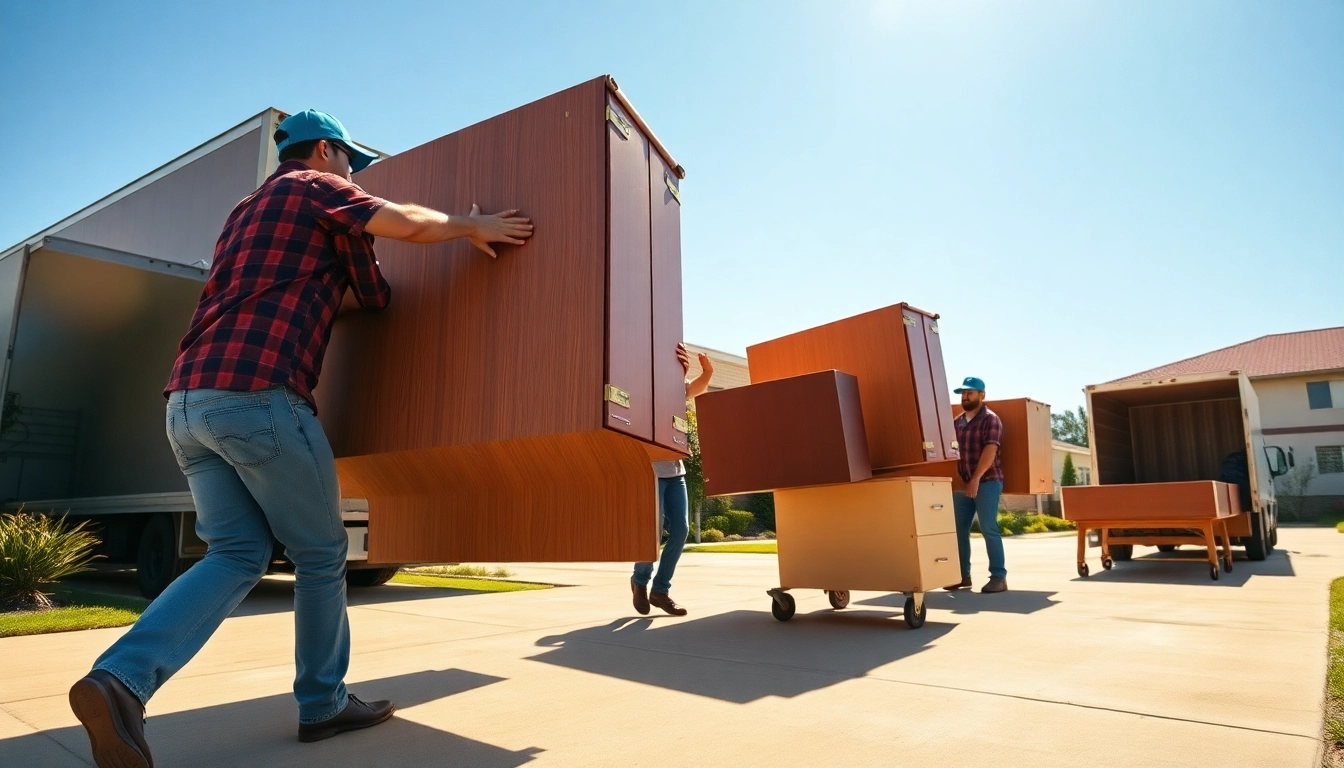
(972, 438)
(282, 264)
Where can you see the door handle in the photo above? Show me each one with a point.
(935, 506)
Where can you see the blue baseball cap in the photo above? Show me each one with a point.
(311, 125)
(971, 383)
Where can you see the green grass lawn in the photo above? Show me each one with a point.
(77, 610)
(467, 584)
(1334, 675)
(750, 547)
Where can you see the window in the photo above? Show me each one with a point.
(1084, 475)
(1325, 394)
(1330, 459)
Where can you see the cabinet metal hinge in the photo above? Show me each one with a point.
(619, 121)
(617, 395)
(681, 425)
(910, 321)
(671, 187)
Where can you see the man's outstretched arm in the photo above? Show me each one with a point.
(418, 224)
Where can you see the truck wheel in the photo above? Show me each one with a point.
(1122, 552)
(1257, 544)
(1167, 547)
(156, 560)
(370, 577)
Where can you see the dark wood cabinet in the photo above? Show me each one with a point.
(569, 335)
(896, 354)
(788, 433)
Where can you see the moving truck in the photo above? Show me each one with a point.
(91, 313)
(1181, 428)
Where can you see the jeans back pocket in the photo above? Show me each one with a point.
(244, 434)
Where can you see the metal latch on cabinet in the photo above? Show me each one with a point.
(681, 425)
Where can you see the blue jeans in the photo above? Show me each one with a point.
(258, 463)
(673, 504)
(985, 505)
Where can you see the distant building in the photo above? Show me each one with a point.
(1299, 381)
(729, 370)
(1082, 461)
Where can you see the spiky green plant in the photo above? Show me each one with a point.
(37, 551)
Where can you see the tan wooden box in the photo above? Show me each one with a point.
(884, 535)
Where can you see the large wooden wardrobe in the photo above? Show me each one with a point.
(508, 409)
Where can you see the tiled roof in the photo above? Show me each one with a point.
(1278, 354)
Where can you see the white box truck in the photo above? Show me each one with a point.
(92, 310)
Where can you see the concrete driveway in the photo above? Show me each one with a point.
(1149, 664)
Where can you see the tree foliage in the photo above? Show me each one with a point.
(1068, 475)
(1070, 426)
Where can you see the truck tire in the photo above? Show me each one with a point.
(156, 560)
(370, 577)
(1122, 552)
(1257, 544)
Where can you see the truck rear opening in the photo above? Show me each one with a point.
(1203, 427)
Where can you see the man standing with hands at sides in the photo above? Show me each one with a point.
(674, 505)
(243, 426)
(979, 437)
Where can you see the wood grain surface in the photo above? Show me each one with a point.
(1201, 499)
(874, 347)
(1185, 441)
(788, 433)
(586, 496)
(474, 349)
(1026, 453)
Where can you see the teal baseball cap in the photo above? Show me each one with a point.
(311, 125)
(971, 383)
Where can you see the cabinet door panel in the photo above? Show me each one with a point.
(669, 387)
(947, 435)
(629, 279)
(929, 437)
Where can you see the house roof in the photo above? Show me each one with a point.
(1278, 354)
(1060, 445)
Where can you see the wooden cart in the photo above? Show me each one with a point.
(1155, 515)
(887, 534)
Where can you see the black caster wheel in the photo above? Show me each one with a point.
(1213, 572)
(839, 598)
(1107, 563)
(913, 618)
(783, 607)
(1227, 566)
(1082, 570)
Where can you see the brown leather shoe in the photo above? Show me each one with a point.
(114, 719)
(356, 715)
(995, 584)
(641, 598)
(965, 583)
(664, 601)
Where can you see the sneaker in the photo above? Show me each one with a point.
(995, 584)
(641, 598)
(965, 583)
(356, 715)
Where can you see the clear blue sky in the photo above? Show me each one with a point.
(1083, 189)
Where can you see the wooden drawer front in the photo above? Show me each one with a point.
(932, 501)
(938, 561)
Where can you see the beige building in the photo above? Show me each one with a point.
(1082, 461)
(1299, 381)
(729, 370)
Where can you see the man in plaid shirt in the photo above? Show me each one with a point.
(242, 423)
(979, 438)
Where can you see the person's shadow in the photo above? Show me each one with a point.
(742, 656)
(261, 732)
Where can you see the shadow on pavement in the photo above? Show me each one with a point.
(261, 732)
(965, 601)
(1188, 566)
(742, 656)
